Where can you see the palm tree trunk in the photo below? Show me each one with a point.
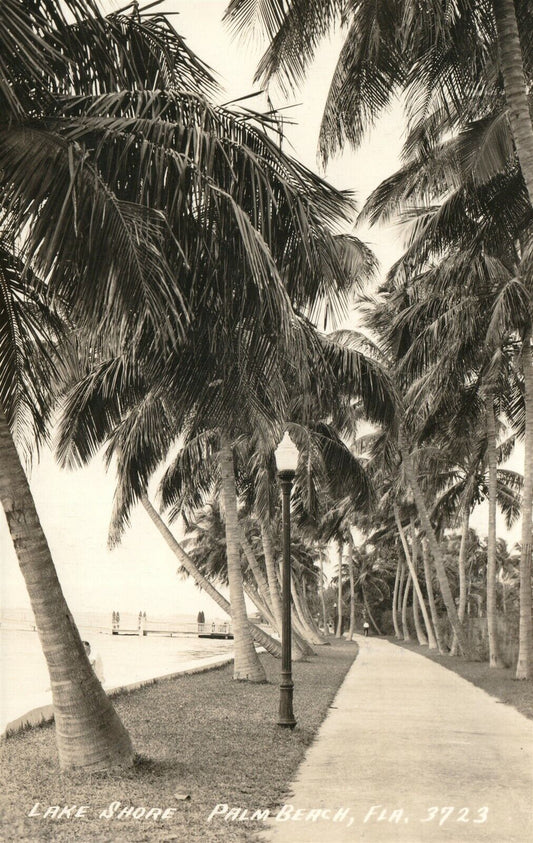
(462, 568)
(262, 584)
(514, 82)
(421, 638)
(397, 633)
(310, 634)
(260, 636)
(525, 651)
(417, 591)
(89, 733)
(338, 631)
(349, 560)
(401, 590)
(247, 666)
(435, 550)
(321, 592)
(492, 460)
(270, 564)
(405, 625)
(431, 597)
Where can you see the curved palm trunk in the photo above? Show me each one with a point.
(435, 550)
(405, 625)
(418, 597)
(310, 634)
(421, 638)
(270, 565)
(397, 633)
(262, 585)
(492, 459)
(338, 631)
(349, 560)
(89, 733)
(307, 612)
(260, 636)
(247, 666)
(524, 667)
(431, 597)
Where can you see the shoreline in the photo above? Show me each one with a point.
(128, 662)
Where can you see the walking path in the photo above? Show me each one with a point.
(411, 752)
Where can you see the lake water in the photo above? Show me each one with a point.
(24, 680)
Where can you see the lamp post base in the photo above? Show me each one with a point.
(286, 716)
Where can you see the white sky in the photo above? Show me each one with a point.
(75, 507)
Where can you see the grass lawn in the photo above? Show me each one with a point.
(204, 736)
(498, 682)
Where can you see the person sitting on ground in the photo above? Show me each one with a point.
(95, 661)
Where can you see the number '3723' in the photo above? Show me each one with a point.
(458, 815)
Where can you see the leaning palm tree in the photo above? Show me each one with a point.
(51, 214)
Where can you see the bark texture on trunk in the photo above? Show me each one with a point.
(417, 591)
(524, 667)
(349, 562)
(435, 549)
(405, 625)
(492, 459)
(270, 565)
(514, 82)
(338, 631)
(397, 633)
(431, 597)
(247, 666)
(89, 733)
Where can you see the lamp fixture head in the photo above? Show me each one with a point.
(286, 455)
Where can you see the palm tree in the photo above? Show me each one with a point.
(51, 214)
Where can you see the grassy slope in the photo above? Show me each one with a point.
(498, 682)
(203, 736)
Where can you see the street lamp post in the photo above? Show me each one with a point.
(286, 462)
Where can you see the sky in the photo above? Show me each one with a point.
(75, 507)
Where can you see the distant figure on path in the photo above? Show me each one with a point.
(366, 627)
(95, 661)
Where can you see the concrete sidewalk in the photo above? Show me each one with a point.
(411, 752)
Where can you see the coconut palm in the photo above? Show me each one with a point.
(54, 247)
(444, 56)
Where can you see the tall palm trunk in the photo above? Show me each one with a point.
(247, 666)
(259, 576)
(524, 667)
(492, 460)
(401, 590)
(321, 592)
(397, 633)
(260, 636)
(465, 526)
(421, 638)
(417, 591)
(349, 561)
(431, 597)
(435, 549)
(89, 733)
(338, 631)
(514, 82)
(310, 634)
(272, 579)
(405, 625)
